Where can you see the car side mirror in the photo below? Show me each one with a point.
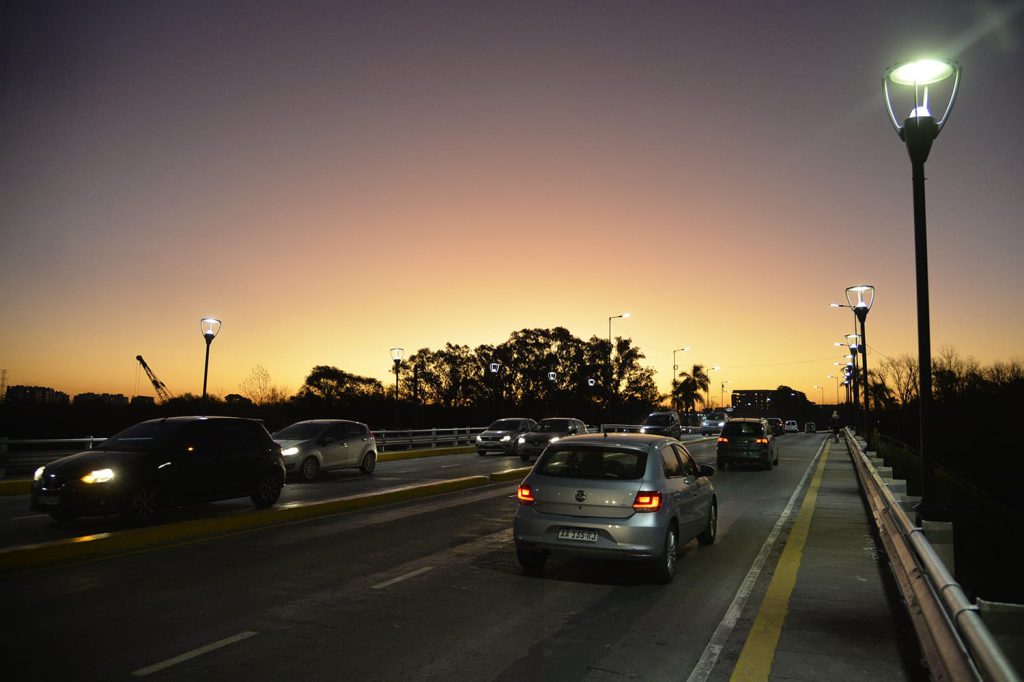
(706, 470)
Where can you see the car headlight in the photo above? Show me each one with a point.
(288, 452)
(38, 476)
(643, 429)
(98, 476)
(478, 439)
(522, 440)
(553, 439)
(506, 438)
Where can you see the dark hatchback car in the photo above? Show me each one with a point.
(162, 463)
(549, 430)
(745, 441)
(663, 424)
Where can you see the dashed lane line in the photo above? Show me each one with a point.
(189, 655)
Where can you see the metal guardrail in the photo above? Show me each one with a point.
(22, 456)
(956, 643)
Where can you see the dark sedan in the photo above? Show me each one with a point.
(747, 441)
(547, 431)
(161, 463)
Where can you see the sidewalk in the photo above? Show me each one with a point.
(841, 623)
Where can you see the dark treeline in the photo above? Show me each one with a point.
(452, 386)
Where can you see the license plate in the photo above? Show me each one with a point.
(52, 500)
(578, 534)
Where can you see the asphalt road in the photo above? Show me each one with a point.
(423, 590)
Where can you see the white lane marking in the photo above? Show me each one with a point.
(707, 661)
(157, 667)
(30, 516)
(406, 576)
(450, 466)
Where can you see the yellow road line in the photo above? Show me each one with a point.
(755, 662)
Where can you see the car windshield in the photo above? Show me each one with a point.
(559, 425)
(300, 431)
(735, 428)
(505, 425)
(593, 462)
(141, 437)
(658, 420)
(715, 418)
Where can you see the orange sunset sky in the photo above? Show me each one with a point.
(334, 179)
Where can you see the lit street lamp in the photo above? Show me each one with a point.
(822, 389)
(675, 367)
(210, 327)
(708, 372)
(918, 131)
(861, 298)
(495, 367)
(727, 381)
(613, 317)
(396, 357)
(833, 376)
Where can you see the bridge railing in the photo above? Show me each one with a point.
(955, 641)
(19, 457)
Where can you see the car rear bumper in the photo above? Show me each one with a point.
(760, 454)
(642, 536)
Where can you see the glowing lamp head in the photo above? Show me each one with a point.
(396, 354)
(860, 297)
(591, 382)
(494, 367)
(917, 79)
(210, 326)
(921, 72)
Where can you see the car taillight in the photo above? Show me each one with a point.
(761, 441)
(647, 501)
(723, 439)
(525, 494)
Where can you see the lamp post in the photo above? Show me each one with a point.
(861, 298)
(495, 367)
(708, 371)
(833, 376)
(396, 357)
(675, 368)
(552, 376)
(727, 381)
(822, 389)
(210, 326)
(613, 317)
(918, 131)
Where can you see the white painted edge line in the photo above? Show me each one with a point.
(450, 466)
(411, 574)
(157, 667)
(30, 516)
(709, 658)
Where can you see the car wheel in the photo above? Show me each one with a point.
(369, 463)
(532, 561)
(665, 565)
(310, 468)
(707, 537)
(142, 506)
(268, 490)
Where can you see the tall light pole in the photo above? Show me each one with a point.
(861, 298)
(822, 389)
(396, 357)
(918, 131)
(675, 368)
(210, 326)
(552, 377)
(613, 317)
(495, 368)
(727, 381)
(708, 371)
(833, 376)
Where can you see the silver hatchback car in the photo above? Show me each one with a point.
(615, 496)
(316, 445)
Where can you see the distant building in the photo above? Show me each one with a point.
(783, 402)
(753, 402)
(100, 399)
(143, 400)
(35, 395)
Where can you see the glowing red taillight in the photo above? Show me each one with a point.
(647, 501)
(723, 439)
(761, 441)
(525, 494)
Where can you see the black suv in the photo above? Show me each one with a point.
(162, 463)
(663, 424)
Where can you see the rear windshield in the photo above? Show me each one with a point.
(141, 437)
(301, 431)
(735, 428)
(505, 425)
(658, 420)
(593, 462)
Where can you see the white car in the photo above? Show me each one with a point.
(791, 426)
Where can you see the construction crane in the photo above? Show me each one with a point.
(161, 389)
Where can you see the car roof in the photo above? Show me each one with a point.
(616, 439)
(746, 419)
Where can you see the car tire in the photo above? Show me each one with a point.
(532, 561)
(708, 535)
(369, 463)
(142, 506)
(309, 469)
(664, 567)
(268, 490)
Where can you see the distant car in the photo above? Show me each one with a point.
(747, 440)
(503, 435)
(547, 431)
(712, 423)
(778, 428)
(663, 424)
(161, 463)
(792, 426)
(810, 427)
(614, 496)
(316, 445)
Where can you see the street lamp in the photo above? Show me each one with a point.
(210, 326)
(833, 376)
(727, 381)
(396, 357)
(494, 367)
(822, 389)
(918, 131)
(861, 298)
(708, 372)
(613, 317)
(675, 367)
